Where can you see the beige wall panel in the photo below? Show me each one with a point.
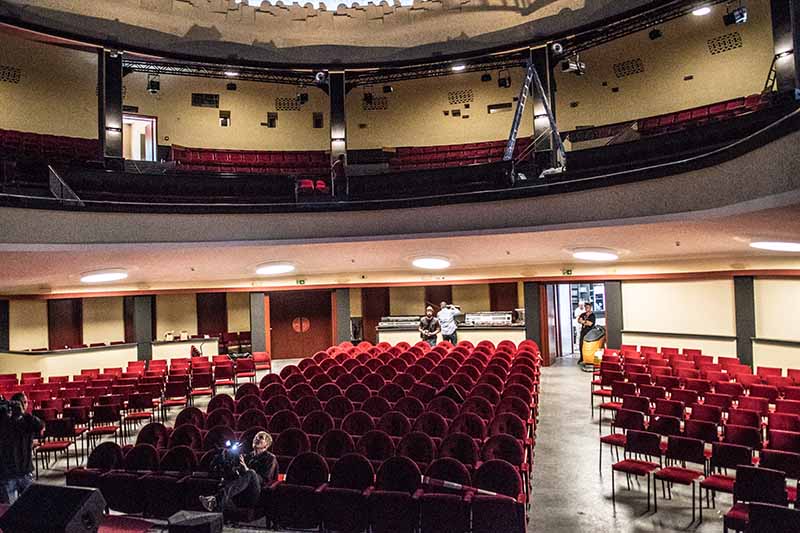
(27, 324)
(414, 115)
(472, 298)
(103, 320)
(775, 356)
(355, 302)
(725, 348)
(56, 93)
(238, 311)
(181, 123)
(168, 350)
(775, 301)
(175, 312)
(682, 51)
(687, 307)
(407, 301)
(66, 363)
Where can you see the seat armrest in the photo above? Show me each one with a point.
(321, 488)
(274, 484)
(417, 494)
(368, 491)
(468, 496)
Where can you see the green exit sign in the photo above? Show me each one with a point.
(566, 272)
(301, 282)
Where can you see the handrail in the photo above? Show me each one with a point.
(60, 189)
(519, 190)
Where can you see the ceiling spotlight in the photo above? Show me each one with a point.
(777, 246)
(486, 77)
(737, 16)
(321, 78)
(231, 73)
(153, 84)
(104, 276)
(655, 34)
(701, 11)
(574, 65)
(458, 68)
(431, 263)
(595, 254)
(388, 89)
(274, 269)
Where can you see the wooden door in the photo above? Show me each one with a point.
(503, 297)
(301, 323)
(65, 323)
(374, 306)
(212, 313)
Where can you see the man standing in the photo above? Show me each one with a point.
(338, 176)
(447, 320)
(429, 327)
(575, 325)
(586, 320)
(17, 431)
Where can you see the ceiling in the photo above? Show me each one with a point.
(720, 243)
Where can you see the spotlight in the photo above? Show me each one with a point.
(153, 84)
(458, 68)
(486, 77)
(701, 11)
(655, 34)
(504, 79)
(574, 65)
(557, 48)
(231, 74)
(737, 16)
(388, 89)
(302, 98)
(321, 78)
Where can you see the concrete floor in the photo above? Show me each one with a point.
(569, 493)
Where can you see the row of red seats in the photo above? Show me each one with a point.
(308, 186)
(347, 496)
(700, 115)
(453, 155)
(251, 161)
(19, 145)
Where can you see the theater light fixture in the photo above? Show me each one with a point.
(231, 73)
(595, 254)
(701, 11)
(458, 68)
(776, 246)
(431, 263)
(736, 16)
(274, 269)
(104, 276)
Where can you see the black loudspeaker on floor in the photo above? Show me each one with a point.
(53, 509)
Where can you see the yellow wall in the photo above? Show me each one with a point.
(472, 298)
(27, 324)
(56, 93)
(238, 311)
(176, 312)
(180, 123)
(775, 355)
(103, 320)
(685, 307)
(407, 301)
(355, 302)
(682, 51)
(725, 348)
(415, 113)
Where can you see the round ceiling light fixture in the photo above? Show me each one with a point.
(275, 268)
(776, 246)
(458, 68)
(701, 11)
(104, 276)
(431, 263)
(595, 254)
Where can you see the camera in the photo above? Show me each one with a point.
(228, 463)
(9, 408)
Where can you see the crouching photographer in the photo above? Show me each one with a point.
(17, 431)
(243, 475)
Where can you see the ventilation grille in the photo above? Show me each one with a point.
(724, 43)
(379, 103)
(629, 67)
(460, 97)
(9, 74)
(287, 104)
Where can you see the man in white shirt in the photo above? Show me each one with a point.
(447, 320)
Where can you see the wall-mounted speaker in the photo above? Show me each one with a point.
(54, 509)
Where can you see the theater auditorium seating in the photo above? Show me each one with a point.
(453, 155)
(713, 412)
(308, 163)
(377, 402)
(54, 149)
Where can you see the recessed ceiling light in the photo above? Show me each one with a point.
(701, 11)
(431, 263)
(231, 73)
(104, 276)
(776, 246)
(273, 269)
(458, 68)
(595, 254)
